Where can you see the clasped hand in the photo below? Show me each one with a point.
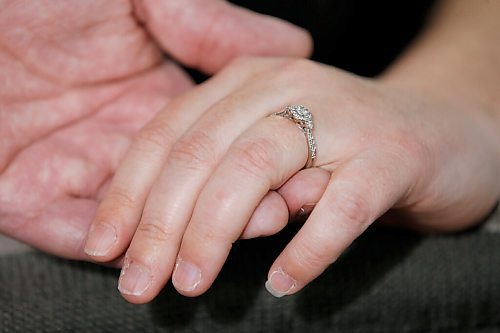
(79, 79)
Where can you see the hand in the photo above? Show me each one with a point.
(79, 78)
(177, 207)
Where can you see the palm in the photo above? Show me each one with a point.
(85, 80)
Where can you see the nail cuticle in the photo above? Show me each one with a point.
(190, 276)
(272, 289)
(102, 243)
(140, 281)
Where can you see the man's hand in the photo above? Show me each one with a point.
(79, 78)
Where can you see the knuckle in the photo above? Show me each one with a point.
(309, 256)
(254, 157)
(242, 62)
(244, 66)
(195, 151)
(351, 208)
(155, 229)
(297, 67)
(412, 149)
(208, 43)
(120, 198)
(156, 136)
(208, 234)
(298, 74)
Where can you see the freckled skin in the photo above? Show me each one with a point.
(67, 116)
(77, 81)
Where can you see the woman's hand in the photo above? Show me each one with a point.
(201, 174)
(79, 78)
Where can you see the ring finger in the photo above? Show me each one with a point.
(262, 159)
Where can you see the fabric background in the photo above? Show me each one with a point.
(388, 281)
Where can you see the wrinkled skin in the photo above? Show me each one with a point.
(79, 78)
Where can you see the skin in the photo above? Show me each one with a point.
(80, 78)
(421, 140)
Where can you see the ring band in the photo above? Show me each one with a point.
(301, 116)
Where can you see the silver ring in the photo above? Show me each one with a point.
(301, 116)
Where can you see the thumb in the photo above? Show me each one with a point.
(207, 34)
(296, 198)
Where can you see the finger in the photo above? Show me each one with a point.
(207, 34)
(359, 192)
(303, 191)
(121, 209)
(268, 218)
(260, 160)
(59, 230)
(296, 198)
(171, 200)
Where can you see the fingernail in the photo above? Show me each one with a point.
(101, 239)
(186, 276)
(280, 283)
(306, 209)
(135, 279)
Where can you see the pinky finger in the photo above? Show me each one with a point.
(358, 193)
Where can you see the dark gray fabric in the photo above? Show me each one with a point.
(388, 281)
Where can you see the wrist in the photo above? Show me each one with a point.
(474, 114)
(455, 59)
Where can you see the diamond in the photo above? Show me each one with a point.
(303, 118)
(300, 112)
